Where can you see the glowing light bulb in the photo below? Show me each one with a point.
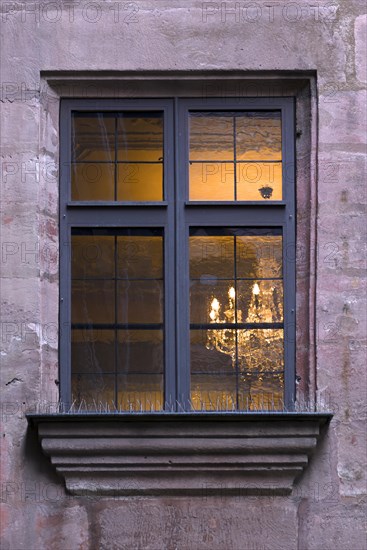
(256, 289)
(232, 293)
(215, 305)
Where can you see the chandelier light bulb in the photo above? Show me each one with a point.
(215, 305)
(232, 293)
(256, 289)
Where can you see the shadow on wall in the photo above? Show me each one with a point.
(39, 471)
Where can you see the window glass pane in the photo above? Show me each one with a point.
(205, 358)
(135, 396)
(250, 392)
(233, 156)
(260, 350)
(139, 182)
(259, 136)
(91, 391)
(213, 393)
(93, 137)
(211, 136)
(92, 257)
(211, 257)
(140, 370)
(211, 181)
(259, 181)
(92, 181)
(140, 137)
(140, 154)
(117, 157)
(259, 256)
(117, 317)
(203, 295)
(236, 323)
(140, 301)
(262, 299)
(140, 352)
(140, 257)
(92, 301)
(93, 351)
(261, 392)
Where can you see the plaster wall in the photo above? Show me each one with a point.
(325, 41)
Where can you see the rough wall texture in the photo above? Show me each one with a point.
(327, 507)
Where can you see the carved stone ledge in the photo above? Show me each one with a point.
(172, 454)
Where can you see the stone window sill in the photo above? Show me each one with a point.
(179, 453)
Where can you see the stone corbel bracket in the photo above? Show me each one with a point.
(177, 454)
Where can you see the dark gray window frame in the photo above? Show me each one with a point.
(175, 215)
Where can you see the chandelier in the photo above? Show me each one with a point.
(253, 351)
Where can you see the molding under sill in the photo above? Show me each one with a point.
(179, 453)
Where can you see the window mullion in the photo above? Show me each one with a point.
(169, 263)
(182, 263)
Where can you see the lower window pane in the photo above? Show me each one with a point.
(117, 319)
(93, 301)
(236, 322)
(140, 352)
(92, 351)
(260, 350)
(205, 358)
(261, 391)
(93, 391)
(244, 382)
(214, 392)
(203, 292)
(140, 301)
(98, 392)
(137, 393)
(244, 392)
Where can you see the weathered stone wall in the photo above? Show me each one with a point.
(324, 39)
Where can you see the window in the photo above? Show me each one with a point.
(177, 254)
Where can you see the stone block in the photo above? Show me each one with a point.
(334, 527)
(20, 127)
(360, 54)
(200, 524)
(342, 119)
(352, 459)
(341, 183)
(20, 244)
(20, 179)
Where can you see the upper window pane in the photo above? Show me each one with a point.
(258, 136)
(235, 156)
(140, 137)
(117, 156)
(93, 137)
(211, 136)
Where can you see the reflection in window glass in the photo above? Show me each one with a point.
(93, 137)
(139, 137)
(235, 156)
(236, 319)
(117, 156)
(117, 318)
